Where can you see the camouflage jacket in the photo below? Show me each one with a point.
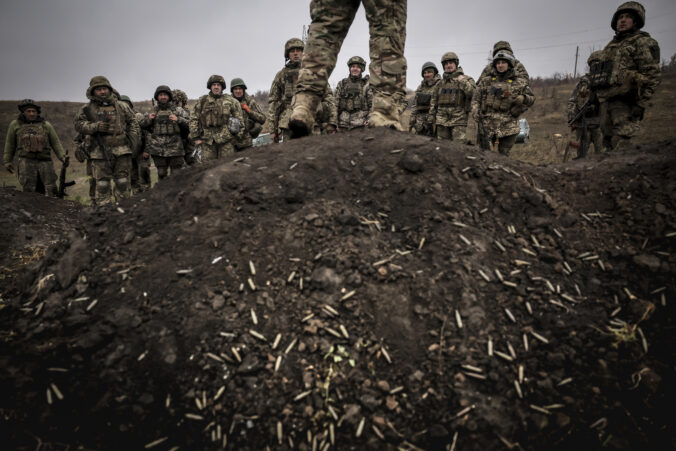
(452, 99)
(210, 119)
(122, 137)
(421, 105)
(281, 93)
(580, 95)
(496, 103)
(34, 140)
(163, 138)
(253, 121)
(327, 113)
(630, 68)
(354, 96)
(519, 70)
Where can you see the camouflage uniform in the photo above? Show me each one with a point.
(451, 102)
(217, 121)
(180, 98)
(33, 142)
(331, 20)
(116, 124)
(519, 69)
(163, 140)
(626, 78)
(498, 102)
(592, 119)
(140, 167)
(254, 118)
(282, 90)
(326, 120)
(418, 122)
(82, 156)
(355, 98)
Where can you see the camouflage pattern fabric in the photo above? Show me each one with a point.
(214, 151)
(421, 107)
(281, 93)
(451, 103)
(121, 173)
(519, 71)
(209, 121)
(31, 172)
(355, 100)
(327, 114)
(457, 133)
(163, 137)
(253, 121)
(35, 140)
(331, 20)
(163, 164)
(592, 118)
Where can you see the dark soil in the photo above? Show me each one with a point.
(342, 293)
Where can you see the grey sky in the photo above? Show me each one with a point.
(51, 48)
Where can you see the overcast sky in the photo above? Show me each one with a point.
(51, 48)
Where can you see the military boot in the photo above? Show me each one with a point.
(385, 113)
(302, 119)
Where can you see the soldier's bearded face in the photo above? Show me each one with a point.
(30, 113)
(238, 92)
(501, 66)
(101, 91)
(163, 97)
(216, 88)
(355, 70)
(295, 55)
(625, 22)
(450, 66)
(428, 75)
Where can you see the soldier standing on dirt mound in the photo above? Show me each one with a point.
(110, 131)
(33, 139)
(331, 20)
(254, 118)
(589, 125)
(282, 90)
(626, 77)
(355, 97)
(418, 123)
(451, 101)
(140, 163)
(499, 101)
(216, 122)
(164, 125)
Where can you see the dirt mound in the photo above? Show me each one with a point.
(372, 290)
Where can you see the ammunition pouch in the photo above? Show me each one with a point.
(353, 98)
(290, 85)
(33, 138)
(213, 115)
(162, 125)
(600, 74)
(451, 97)
(422, 101)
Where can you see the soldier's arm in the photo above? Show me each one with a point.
(433, 104)
(338, 94)
(648, 61)
(55, 142)
(571, 107)
(476, 99)
(236, 111)
(10, 142)
(369, 95)
(256, 113)
(274, 99)
(469, 94)
(194, 125)
(529, 96)
(521, 71)
(183, 120)
(145, 122)
(133, 130)
(82, 124)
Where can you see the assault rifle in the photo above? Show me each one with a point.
(581, 122)
(62, 178)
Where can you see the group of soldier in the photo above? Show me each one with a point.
(117, 143)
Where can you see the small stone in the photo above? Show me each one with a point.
(411, 162)
(383, 385)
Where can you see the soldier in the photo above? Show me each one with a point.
(283, 88)
(499, 101)
(626, 78)
(110, 132)
(216, 122)
(326, 120)
(164, 125)
(418, 123)
(254, 118)
(587, 128)
(331, 20)
(355, 97)
(519, 69)
(180, 98)
(33, 139)
(140, 159)
(451, 101)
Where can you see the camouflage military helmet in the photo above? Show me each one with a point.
(163, 88)
(429, 65)
(635, 9)
(595, 56)
(237, 82)
(502, 45)
(357, 60)
(216, 79)
(504, 55)
(28, 103)
(127, 100)
(97, 81)
(450, 56)
(179, 96)
(293, 43)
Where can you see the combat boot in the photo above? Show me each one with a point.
(385, 113)
(303, 115)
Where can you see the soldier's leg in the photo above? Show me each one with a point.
(506, 143)
(91, 181)
(387, 29)
(27, 174)
(162, 165)
(48, 177)
(121, 175)
(596, 138)
(102, 177)
(135, 181)
(443, 132)
(175, 164)
(622, 125)
(144, 172)
(227, 149)
(460, 134)
(209, 152)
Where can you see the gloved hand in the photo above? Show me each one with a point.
(246, 108)
(9, 167)
(102, 127)
(637, 113)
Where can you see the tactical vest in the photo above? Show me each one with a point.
(33, 137)
(451, 97)
(162, 125)
(601, 74)
(353, 98)
(108, 113)
(422, 101)
(289, 86)
(213, 113)
(499, 96)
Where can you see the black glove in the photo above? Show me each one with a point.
(637, 113)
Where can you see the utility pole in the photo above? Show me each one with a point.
(577, 52)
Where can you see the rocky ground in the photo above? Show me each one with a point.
(374, 290)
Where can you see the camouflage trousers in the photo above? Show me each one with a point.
(456, 133)
(215, 151)
(36, 175)
(140, 173)
(104, 176)
(331, 20)
(503, 145)
(616, 122)
(594, 137)
(92, 182)
(163, 164)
